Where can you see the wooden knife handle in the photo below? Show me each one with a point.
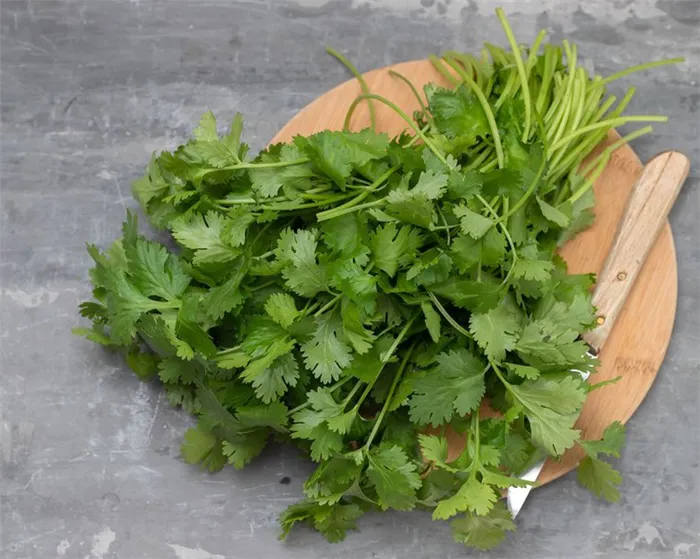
(648, 207)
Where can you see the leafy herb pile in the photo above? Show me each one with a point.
(360, 297)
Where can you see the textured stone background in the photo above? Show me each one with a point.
(89, 89)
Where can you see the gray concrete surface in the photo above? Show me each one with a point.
(89, 89)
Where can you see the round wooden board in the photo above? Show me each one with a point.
(638, 343)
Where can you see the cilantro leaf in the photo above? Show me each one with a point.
(200, 446)
(394, 477)
(207, 235)
(551, 407)
(473, 496)
(473, 224)
(457, 113)
(392, 248)
(326, 355)
(297, 252)
(600, 478)
(483, 532)
(432, 321)
(496, 331)
(240, 453)
(456, 385)
(332, 521)
(611, 443)
(282, 309)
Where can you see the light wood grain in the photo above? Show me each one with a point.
(637, 344)
(647, 210)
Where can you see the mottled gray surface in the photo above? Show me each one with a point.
(89, 89)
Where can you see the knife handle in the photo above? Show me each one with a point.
(648, 207)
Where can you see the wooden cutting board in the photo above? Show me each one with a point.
(641, 335)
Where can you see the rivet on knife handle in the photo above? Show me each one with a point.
(647, 209)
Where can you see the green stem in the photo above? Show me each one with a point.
(528, 192)
(612, 147)
(389, 396)
(361, 80)
(521, 71)
(640, 68)
(439, 66)
(270, 165)
(328, 305)
(590, 180)
(384, 361)
(405, 117)
(610, 123)
(477, 444)
(487, 111)
(501, 225)
(339, 210)
(331, 388)
(447, 316)
(413, 89)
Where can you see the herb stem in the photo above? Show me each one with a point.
(487, 111)
(360, 79)
(389, 396)
(521, 71)
(448, 317)
(640, 68)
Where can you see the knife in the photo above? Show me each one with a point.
(646, 211)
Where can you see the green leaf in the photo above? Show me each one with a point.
(346, 235)
(332, 521)
(240, 453)
(206, 131)
(394, 477)
(523, 371)
(456, 385)
(152, 186)
(433, 448)
(432, 321)
(172, 370)
(553, 214)
(472, 223)
(431, 184)
(325, 355)
(233, 138)
(226, 296)
(610, 444)
(543, 344)
(207, 235)
(497, 330)
(551, 407)
(155, 271)
(472, 496)
(190, 330)
(274, 380)
(411, 206)
(282, 309)
(532, 270)
(335, 153)
(600, 478)
(201, 446)
(457, 113)
(267, 181)
(392, 247)
(483, 532)
(143, 364)
(359, 337)
(297, 252)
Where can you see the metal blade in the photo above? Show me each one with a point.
(517, 496)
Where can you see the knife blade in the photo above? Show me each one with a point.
(648, 206)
